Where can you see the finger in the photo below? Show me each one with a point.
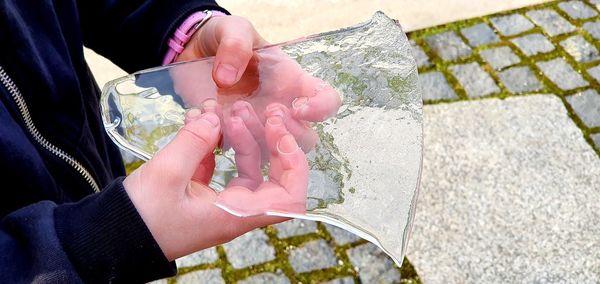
(305, 136)
(205, 170)
(177, 162)
(240, 201)
(247, 154)
(212, 106)
(274, 130)
(246, 112)
(319, 101)
(236, 39)
(293, 176)
(235, 200)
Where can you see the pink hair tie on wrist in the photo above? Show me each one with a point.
(184, 33)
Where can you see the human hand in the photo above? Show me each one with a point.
(170, 192)
(271, 79)
(262, 77)
(286, 189)
(231, 39)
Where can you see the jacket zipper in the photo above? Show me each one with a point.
(20, 101)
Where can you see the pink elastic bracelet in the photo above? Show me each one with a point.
(185, 31)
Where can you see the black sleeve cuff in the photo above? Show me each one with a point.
(139, 40)
(107, 241)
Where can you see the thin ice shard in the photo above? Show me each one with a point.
(366, 168)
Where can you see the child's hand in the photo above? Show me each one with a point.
(170, 194)
(238, 70)
(285, 191)
(231, 39)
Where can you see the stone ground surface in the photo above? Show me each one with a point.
(510, 182)
(509, 195)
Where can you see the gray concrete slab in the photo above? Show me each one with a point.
(509, 195)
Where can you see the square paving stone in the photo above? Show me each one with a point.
(475, 81)
(580, 49)
(373, 265)
(593, 28)
(448, 45)
(587, 107)
(435, 87)
(500, 57)
(533, 44)
(313, 255)
(266, 277)
(249, 249)
(550, 21)
(480, 34)
(596, 139)
(202, 257)
(562, 74)
(595, 73)
(577, 9)
(210, 276)
(295, 227)
(341, 236)
(420, 55)
(520, 80)
(512, 24)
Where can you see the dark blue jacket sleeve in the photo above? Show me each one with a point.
(134, 33)
(99, 239)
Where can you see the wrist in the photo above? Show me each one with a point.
(185, 32)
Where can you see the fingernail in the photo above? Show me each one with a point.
(212, 118)
(236, 120)
(235, 123)
(276, 112)
(271, 107)
(209, 105)
(287, 144)
(193, 114)
(274, 120)
(242, 113)
(299, 102)
(226, 74)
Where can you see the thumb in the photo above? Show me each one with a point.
(177, 162)
(236, 41)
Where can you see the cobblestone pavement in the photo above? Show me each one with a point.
(550, 48)
(512, 140)
(292, 252)
(547, 49)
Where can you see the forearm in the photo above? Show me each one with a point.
(99, 239)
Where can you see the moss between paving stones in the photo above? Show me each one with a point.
(548, 86)
(409, 274)
(281, 263)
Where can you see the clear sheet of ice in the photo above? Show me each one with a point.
(366, 168)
